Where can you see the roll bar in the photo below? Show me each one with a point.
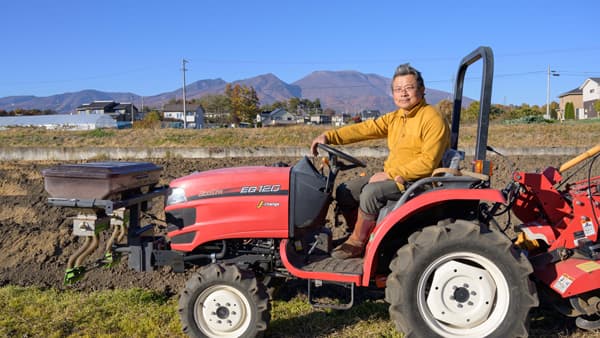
(483, 119)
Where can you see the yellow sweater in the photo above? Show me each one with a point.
(417, 139)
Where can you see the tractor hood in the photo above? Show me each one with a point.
(240, 181)
(244, 202)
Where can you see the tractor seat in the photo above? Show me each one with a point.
(447, 176)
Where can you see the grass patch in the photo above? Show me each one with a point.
(33, 312)
(366, 319)
(100, 133)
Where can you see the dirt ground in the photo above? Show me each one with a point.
(37, 239)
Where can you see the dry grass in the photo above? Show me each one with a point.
(572, 134)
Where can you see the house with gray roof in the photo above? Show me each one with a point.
(118, 111)
(277, 117)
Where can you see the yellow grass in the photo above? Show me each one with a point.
(573, 134)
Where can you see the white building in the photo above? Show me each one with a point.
(194, 114)
(590, 89)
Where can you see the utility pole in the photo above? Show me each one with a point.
(183, 69)
(553, 73)
(131, 108)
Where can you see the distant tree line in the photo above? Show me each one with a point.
(28, 112)
(500, 111)
(298, 106)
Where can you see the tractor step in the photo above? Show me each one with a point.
(329, 264)
(332, 300)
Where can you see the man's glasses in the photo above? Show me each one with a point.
(407, 88)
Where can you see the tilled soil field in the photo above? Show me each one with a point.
(37, 239)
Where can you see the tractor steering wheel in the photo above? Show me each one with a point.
(335, 152)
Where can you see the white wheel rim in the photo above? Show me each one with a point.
(463, 294)
(222, 311)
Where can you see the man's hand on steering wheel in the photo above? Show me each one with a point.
(338, 154)
(322, 139)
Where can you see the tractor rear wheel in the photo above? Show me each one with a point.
(459, 279)
(224, 301)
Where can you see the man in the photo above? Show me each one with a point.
(417, 137)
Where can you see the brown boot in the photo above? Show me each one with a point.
(350, 218)
(355, 244)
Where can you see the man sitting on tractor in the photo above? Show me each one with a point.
(417, 137)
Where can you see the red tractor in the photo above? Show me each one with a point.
(447, 267)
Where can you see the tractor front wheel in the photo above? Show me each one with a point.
(224, 301)
(458, 279)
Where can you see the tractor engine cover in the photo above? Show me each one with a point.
(243, 202)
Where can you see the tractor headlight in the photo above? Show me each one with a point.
(176, 195)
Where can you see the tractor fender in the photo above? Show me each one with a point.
(416, 205)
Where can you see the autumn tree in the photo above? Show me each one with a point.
(597, 107)
(497, 111)
(470, 113)
(445, 107)
(525, 110)
(244, 103)
(553, 109)
(151, 120)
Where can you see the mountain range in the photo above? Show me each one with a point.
(348, 91)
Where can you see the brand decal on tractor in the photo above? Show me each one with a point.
(210, 193)
(262, 203)
(260, 189)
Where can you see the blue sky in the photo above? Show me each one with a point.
(52, 47)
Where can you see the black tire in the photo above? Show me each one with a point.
(457, 279)
(224, 301)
